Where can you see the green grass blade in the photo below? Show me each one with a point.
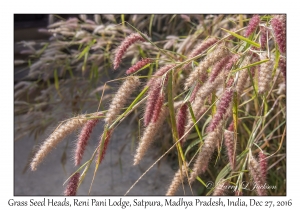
(191, 145)
(243, 38)
(195, 122)
(172, 116)
(171, 107)
(250, 65)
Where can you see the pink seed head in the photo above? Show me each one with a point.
(158, 108)
(201, 48)
(218, 68)
(253, 23)
(72, 185)
(221, 110)
(282, 66)
(202, 79)
(106, 141)
(129, 40)
(83, 139)
(280, 34)
(160, 72)
(153, 94)
(231, 62)
(181, 120)
(140, 64)
(263, 166)
(263, 37)
(229, 143)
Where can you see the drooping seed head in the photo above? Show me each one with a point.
(265, 75)
(256, 174)
(201, 48)
(279, 33)
(121, 97)
(71, 188)
(153, 94)
(243, 76)
(263, 38)
(160, 72)
(181, 120)
(103, 143)
(263, 163)
(222, 108)
(140, 64)
(83, 138)
(253, 23)
(158, 107)
(129, 40)
(229, 144)
(218, 67)
(177, 180)
(149, 135)
(207, 149)
(57, 136)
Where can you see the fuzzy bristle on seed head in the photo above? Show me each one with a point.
(209, 60)
(181, 120)
(282, 66)
(218, 67)
(149, 135)
(207, 149)
(263, 166)
(280, 34)
(160, 72)
(256, 174)
(103, 143)
(222, 108)
(243, 76)
(71, 188)
(153, 94)
(121, 97)
(178, 179)
(57, 136)
(231, 62)
(253, 23)
(194, 93)
(84, 137)
(263, 38)
(157, 108)
(201, 48)
(140, 64)
(265, 75)
(229, 144)
(199, 84)
(129, 40)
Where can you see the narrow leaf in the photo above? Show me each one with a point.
(242, 38)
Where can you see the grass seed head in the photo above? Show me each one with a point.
(57, 136)
(253, 23)
(129, 40)
(71, 188)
